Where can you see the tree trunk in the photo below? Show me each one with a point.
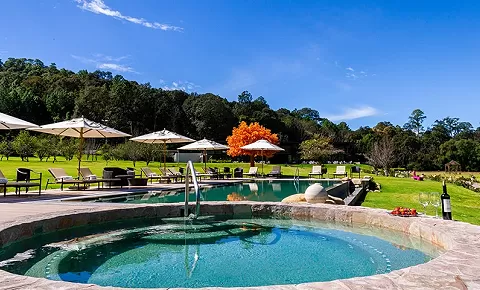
(252, 160)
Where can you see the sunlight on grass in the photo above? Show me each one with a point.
(395, 191)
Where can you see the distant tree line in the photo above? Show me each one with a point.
(42, 94)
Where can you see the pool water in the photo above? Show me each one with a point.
(275, 190)
(216, 252)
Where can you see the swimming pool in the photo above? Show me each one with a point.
(266, 190)
(214, 251)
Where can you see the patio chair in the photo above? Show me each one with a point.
(118, 173)
(24, 177)
(152, 175)
(238, 172)
(276, 171)
(252, 172)
(61, 177)
(318, 170)
(87, 174)
(22, 181)
(340, 171)
(226, 172)
(355, 169)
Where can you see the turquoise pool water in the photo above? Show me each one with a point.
(274, 190)
(213, 252)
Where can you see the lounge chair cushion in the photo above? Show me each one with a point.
(64, 178)
(3, 180)
(153, 175)
(91, 177)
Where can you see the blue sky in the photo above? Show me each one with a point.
(357, 61)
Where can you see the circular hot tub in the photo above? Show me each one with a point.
(239, 245)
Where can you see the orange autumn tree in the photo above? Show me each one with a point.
(246, 134)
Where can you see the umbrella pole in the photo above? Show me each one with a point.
(205, 158)
(261, 152)
(165, 156)
(80, 148)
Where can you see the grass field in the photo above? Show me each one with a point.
(395, 191)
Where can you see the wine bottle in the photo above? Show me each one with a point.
(446, 206)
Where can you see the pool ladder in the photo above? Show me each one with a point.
(193, 175)
(296, 180)
(297, 174)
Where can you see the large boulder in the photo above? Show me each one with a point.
(316, 193)
(300, 197)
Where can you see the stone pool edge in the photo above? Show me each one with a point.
(457, 268)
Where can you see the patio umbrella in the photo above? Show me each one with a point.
(162, 137)
(262, 145)
(80, 128)
(8, 122)
(204, 145)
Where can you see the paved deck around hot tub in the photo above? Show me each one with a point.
(16, 208)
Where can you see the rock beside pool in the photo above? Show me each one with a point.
(316, 193)
(300, 197)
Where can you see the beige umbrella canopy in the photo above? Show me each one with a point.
(204, 145)
(8, 122)
(262, 145)
(162, 137)
(80, 128)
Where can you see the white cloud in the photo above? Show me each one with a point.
(161, 81)
(115, 67)
(350, 69)
(99, 7)
(354, 113)
(185, 86)
(110, 58)
(362, 72)
(352, 76)
(106, 62)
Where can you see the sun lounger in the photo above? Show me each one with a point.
(87, 174)
(276, 171)
(253, 172)
(154, 176)
(176, 173)
(340, 171)
(167, 174)
(23, 180)
(61, 177)
(318, 171)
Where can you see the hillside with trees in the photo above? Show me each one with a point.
(42, 94)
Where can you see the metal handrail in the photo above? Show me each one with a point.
(297, 174)
(195, 187)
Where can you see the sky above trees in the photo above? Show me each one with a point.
(351, 61)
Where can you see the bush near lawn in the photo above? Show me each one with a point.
(394, 192)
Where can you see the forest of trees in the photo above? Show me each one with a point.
(42, 94)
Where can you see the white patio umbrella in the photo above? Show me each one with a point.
(204, 145)
(80, 128)
(262, 145)
(162, 137)
(8, 122)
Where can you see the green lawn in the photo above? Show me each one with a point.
(395, 191)
(404, 192)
